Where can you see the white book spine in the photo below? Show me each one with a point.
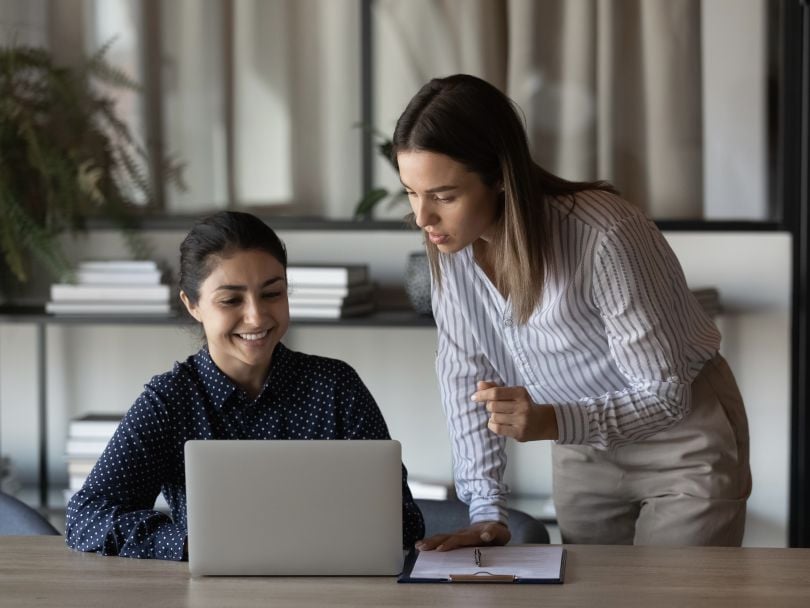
(64, 292)
(96, 430)
(100, 277)
(124, 308)
(329, 312)
(299, 276)
(118, 265)
(316, 302)
(85, 447)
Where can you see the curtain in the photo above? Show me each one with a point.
(261, 98)
(610, 89)
(24, 22)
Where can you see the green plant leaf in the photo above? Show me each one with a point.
(365, 207)
(65, 155)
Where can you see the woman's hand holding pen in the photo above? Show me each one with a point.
(475, 535)
(512, 413)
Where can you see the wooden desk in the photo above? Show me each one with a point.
(42, 572)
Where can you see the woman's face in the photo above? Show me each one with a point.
(451, 204)
(244, 311)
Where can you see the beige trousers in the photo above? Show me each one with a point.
(687, 485)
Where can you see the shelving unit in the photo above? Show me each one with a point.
(32, 315)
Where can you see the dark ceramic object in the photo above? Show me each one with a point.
(417, 282)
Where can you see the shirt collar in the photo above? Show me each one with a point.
(220, 387)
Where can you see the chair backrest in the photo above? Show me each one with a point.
(449, 515)
(18, 519)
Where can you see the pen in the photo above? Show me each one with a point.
(477, 556)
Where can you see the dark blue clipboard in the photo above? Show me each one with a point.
(410, 560)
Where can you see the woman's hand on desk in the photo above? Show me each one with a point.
(476, 535)
(512, 413)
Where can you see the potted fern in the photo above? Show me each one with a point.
(64, 156)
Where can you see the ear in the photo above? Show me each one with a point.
(190, 307)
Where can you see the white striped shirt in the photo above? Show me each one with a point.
(613, 345)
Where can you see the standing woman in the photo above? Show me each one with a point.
(563, 315)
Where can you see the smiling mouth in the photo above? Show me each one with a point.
(254, 336)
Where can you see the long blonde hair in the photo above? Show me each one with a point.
(473, 123)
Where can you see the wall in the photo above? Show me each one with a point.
(102, 368)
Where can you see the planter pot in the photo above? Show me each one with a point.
(32, 293)
(417, 282)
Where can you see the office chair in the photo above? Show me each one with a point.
(450, 515)
(18, 519)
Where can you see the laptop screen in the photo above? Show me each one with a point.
(290, 507)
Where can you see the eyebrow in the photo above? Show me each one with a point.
(243, 288)
(431, 190)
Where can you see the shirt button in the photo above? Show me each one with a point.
(507, 322)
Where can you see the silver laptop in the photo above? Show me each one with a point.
(288, 507)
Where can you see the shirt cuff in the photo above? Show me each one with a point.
(485, 508)
(169, 542)
(572, 423)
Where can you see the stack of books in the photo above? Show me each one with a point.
(112, 287)
(88, 435)
(329, 292)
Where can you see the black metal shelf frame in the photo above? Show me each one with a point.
(36, 316)
(794, 196)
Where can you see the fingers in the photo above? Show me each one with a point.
(495, 534)
(484, 533)
(447, 542)
(431, 543)
(499, 393)
(505, 430)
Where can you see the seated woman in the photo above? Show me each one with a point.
(243, 384)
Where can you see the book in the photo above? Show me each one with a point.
(75, 482)
(329, 312)
(332, 296)
(123, 308)
(297, 299)
(66, 292)
(508, 564)
(85, 447)
(104, 277)
(94, 425)
(332, 292)
(325, 302)
(80, 466)
(118, 265)
(430, 490)
(301, 275)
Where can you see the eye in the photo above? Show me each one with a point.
(445, 199)
(231, 301)
(270, 295)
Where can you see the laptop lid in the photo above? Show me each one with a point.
(290, 507)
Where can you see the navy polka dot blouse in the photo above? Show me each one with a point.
(305, 397)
